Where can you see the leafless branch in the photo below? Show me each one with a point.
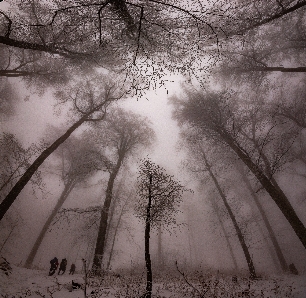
(190, 284)
(9, 26)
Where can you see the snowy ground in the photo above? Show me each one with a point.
(34, 283)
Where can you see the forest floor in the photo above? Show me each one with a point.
(23, 282)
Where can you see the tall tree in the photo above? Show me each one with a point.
(125, 133)
(225, 233)
(80, 160)
(278, 250)
(215, 116)
(196, 147)
(159, 198)
(90, 105)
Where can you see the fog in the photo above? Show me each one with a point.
(125, 144)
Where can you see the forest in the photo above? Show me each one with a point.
(152, 148)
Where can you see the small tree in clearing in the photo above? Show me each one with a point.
(159, 197)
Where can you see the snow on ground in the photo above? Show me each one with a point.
(36, 283)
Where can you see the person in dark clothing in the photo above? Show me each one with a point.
(72, 269)
(62, 267)
(54, 265)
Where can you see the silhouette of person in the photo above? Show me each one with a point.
(62, 267)
(72, 269)
(54, 265)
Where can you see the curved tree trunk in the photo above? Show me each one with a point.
(68, 188)
(275, 192)
(234, 221)
(25, 178)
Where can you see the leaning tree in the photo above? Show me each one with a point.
(256, 140)
(200, 164)
(80, 160)
(122, 135)
(88, 104)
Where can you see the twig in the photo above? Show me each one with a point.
(191, 285)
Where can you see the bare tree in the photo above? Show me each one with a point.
(214, 115)
(35, 68)
(80, 160)
(196, 147)
(126, 36)
(90, 105)
(225, 233)
(125, 133)
(278, 250)
(159, 198)
(119, 223)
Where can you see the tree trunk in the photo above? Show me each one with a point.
(159, 247)
(8, 237)
(275, 192)
(275, 68)
(39, 47)
(25, 178)
(147, 243)
(225, 234)
(100, 244)
(114, 239)
(110, 219)
(276, 245)
(68, 188)
(234, 221)
(270, 249)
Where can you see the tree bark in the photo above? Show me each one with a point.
(275, 68)
(39, 47)
(110, 218)
(276, 193)
(234, 221)
(25, 178)
(100, 244)
(68, 188)
(114, 239)
(279, 253)
(147, 243)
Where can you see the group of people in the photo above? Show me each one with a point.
(62, 268)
